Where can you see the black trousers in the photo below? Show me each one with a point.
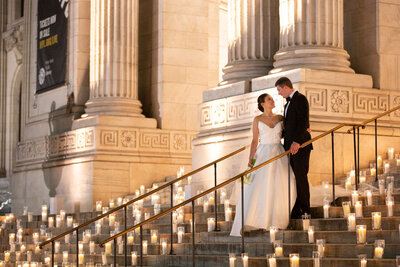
(300, 164)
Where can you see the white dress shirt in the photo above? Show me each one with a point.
(287, 106)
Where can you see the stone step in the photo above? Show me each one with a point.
(337, 212)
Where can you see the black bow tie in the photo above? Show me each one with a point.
(288, 99)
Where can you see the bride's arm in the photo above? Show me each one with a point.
(254, 142)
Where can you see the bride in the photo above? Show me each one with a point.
(266, 189)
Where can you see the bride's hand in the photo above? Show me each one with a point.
(309, 130)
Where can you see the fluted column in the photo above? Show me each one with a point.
(253, 38)
(311, 36)
(114, 58)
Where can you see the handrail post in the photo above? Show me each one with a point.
(171, 232)
(358, 155)
(242, 208)
(115, 252)
(215, 199)
(376, 150)
(141, 245)
(125, 238)
(52, 253)
(289, 186)
(77, 247)
(333, 168)
(193, 236)
(355, 155)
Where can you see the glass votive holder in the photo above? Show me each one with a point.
(368, 195)
(245, 259)
(354, 197)
(181, 233)
(346, 208)
(130, 238)
(389, 204)
(232, 258)
(145, 246)
(210, 224)
(294, 260)
(326, 210)
(316, 259)
(278, 248)
(272, 234)
(306, 218)
(363, 177)
(320, 247)
(397, 261)
(65, 256)
(363, 260)
(154, 236)
(381, 185)
(361, 232)
(271, 260)
(134, 257)
(376, 220)
(359, 209)
(164, 246)
(351, 222)
(389, 185)
(379, 248)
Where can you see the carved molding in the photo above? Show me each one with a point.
(331, 102)
(13, 40)
(82, 142)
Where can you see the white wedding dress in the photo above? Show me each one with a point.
(266, 196)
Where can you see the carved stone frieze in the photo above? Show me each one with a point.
(13, 40)
(125, 140)
(340, 101)
(317, 99)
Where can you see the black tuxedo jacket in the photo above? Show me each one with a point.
(296, 121)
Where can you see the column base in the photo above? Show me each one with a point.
(114, 107)
(315, 57)
(245, 70)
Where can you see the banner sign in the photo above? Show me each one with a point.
(51, 43)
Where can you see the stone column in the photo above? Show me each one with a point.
(311, 36)
(253, 39)
(114, 58)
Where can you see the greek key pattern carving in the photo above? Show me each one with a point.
(154, 140)
(317, 99)
(108, 137)
(370, 103)
(396, 102)
(242, 109)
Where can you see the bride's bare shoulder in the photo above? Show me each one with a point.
(279, 117)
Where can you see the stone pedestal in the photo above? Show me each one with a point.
(311, 36)
(253, 39)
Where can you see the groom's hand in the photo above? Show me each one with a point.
(294, 148)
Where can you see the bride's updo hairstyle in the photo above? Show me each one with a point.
(260, 100)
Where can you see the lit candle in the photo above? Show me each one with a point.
(58, 221)
(294, 260)
(91, 247)
(354, 197)
(138, 216)
(390, 185)
(245, 259)
(134, 258)
(351, 222)
(205, 206)
(29, 256)
(70, 219)
(390, 153)
(108, 248)
(381, 184)
(278, 248)
(358, 208)
(272, 234)
(326, 211)
(398, 162)
(17, 256)
(111, 220)
(154, 236)
(119, 201)
(47, 260)
(232, 259)
(65, 256)
(376, 220)
(164, 247)
(157, 209)
(26, 264)
(210, 224)
(11, 238)
(142, 189)
(228, 214)
(98, 228)
(306, 221)
(35, 237)
(62, 215)
(44, 216)
(30, 216)
(387, 168)
(180, 218)
(104, 258)
(155, 198)
(145, 247)
(378, 253)
(81, 258)
(80, 246)
(181, 231)
(373, 171)
(311, 234)
(369, 197)
(37, 249)
(130, 239)
(362, 179)
(86, 236)
(44, 208)
(189, 180)
(361, 234)
(111, 203)
(7, 256)
(271, 260)
(348, 184)
(222, 196)
(99, 205)
(346, 208)
(67, 239)
(389, 203)
(121, 248)
(379, 161)
(57, 247)
(363, 262)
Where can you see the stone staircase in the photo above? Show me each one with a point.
(212, 248)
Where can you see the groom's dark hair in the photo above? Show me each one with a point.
(284, 81)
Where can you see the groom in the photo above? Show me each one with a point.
(296, 123)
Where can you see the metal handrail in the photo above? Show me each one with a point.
(141, 197)
(223, 184)
(375, 118)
